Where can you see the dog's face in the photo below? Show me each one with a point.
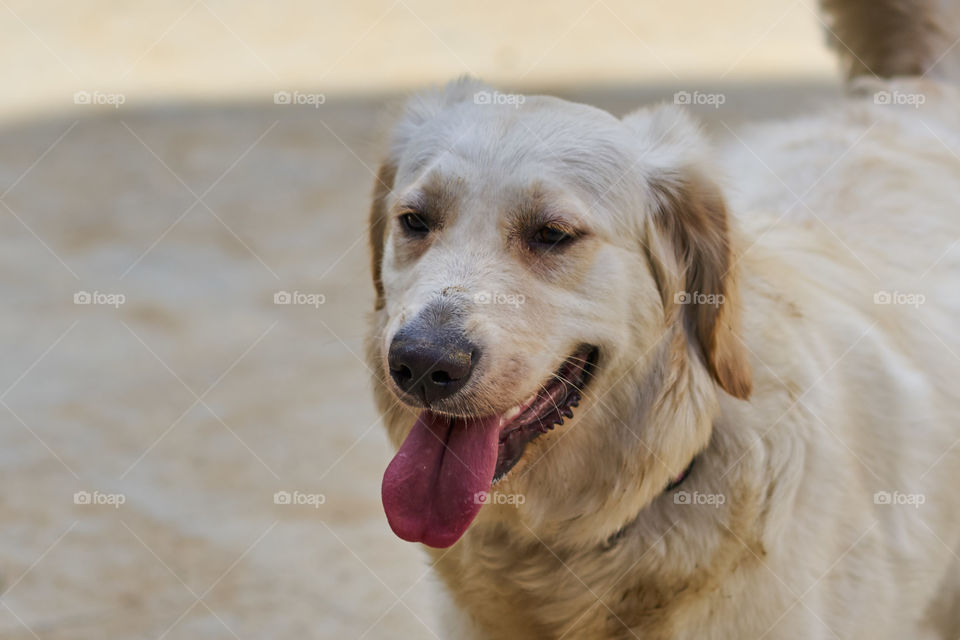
(535, 263)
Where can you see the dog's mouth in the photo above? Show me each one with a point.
(547, 408)
(440, 477)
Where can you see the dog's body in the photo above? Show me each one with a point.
(818, 400)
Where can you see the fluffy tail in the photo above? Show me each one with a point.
(889, 38)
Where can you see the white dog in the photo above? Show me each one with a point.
(753, 353)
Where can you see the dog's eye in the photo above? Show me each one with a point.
(549, 236)
(414, 224)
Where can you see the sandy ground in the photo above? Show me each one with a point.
(194, 398)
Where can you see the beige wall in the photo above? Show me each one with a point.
(212, 49)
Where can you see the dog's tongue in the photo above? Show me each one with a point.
(431, 487)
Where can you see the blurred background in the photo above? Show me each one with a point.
(188, 446)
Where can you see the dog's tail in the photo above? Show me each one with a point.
(888, 38)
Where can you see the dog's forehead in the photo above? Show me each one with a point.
(543, 130)
(503, 147)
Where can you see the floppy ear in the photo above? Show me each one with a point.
(378, 225)
(692, 215)
(690, 219)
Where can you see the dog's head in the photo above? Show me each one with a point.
(537, 260)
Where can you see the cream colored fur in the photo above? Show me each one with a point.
(841, 396)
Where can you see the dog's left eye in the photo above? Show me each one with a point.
(549, 236)
(414, 224)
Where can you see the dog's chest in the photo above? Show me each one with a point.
(535, 592)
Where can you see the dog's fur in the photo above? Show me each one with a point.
(799, 395)
(888, 38)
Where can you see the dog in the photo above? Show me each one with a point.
(641, 387)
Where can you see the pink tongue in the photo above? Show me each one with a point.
(430, 488)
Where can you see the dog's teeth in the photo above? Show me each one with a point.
(511, 413)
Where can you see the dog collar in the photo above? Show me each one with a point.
(676, 482)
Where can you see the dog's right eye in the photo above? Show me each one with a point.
(551, 236)
(414, 224)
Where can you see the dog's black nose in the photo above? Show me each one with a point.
(431, 364)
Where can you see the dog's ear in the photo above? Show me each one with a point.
(378, 225)
(691, 245)
(692, 215)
